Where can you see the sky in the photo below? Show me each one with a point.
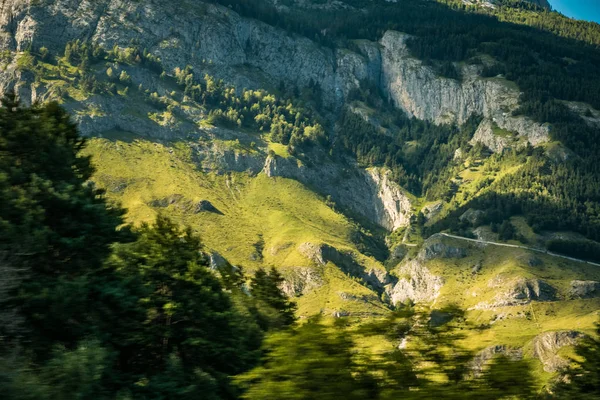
(588, 10)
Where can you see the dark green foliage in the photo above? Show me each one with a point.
(191, 326)
(548, 67)
(55, 227)
(417, 152)
(310, 362)
(150, 321)
(320, 362)
(265, 288)
(287, 121)
(506, 231)
(583, 249)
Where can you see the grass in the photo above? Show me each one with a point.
(280, 212)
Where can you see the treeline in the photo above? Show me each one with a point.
(535, 59)
(548, 67)
(285, 121)
(583, 249)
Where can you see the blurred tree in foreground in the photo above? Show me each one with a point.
(320, 361)
(90, 308)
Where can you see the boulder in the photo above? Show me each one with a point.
(584, 289)
(436, 247)
(416, 283)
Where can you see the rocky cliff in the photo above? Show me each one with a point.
(416, 89)
(251, 54)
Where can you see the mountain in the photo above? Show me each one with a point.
(376, 153)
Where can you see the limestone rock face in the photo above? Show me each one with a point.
(394, 206)
(485, 135)
(212, 38)
(300, 280)
(584, 289)
(472, 216)
(546, 346)
(416, 283)
(437, 247)
(416, 89)
(321, 254)
(370, 193)
(518, 291)
(251, 54)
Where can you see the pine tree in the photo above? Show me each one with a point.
(266, 290)
(56, 228)
(191, 324)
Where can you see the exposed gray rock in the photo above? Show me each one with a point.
(369, 193)
(251, 54)
(216, 157)
(398, 253)
(340, 314)
(416, 283)
(432, 210)
(417, 89)
(584, 289)
(472, 216)
(217, 261)
(518, 291)
(437, 247)
(485, 233)
(242, 51)
(547, 344)
(323, 253)
(486, 136)
(300, 280)
(458, 155)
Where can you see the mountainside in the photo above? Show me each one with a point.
(381, 158)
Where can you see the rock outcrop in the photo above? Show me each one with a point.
(300, 280)
(584, 289)
(417, 89)
(518, 291)
(369, 193)
(546, 346)
(473, 216)
(321, 254)
(482, 358)
(437, 246)
(416, 283)
(251, 54)
(486, 136)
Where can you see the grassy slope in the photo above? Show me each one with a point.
(263, 222)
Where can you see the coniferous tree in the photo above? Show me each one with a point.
(266, 290)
